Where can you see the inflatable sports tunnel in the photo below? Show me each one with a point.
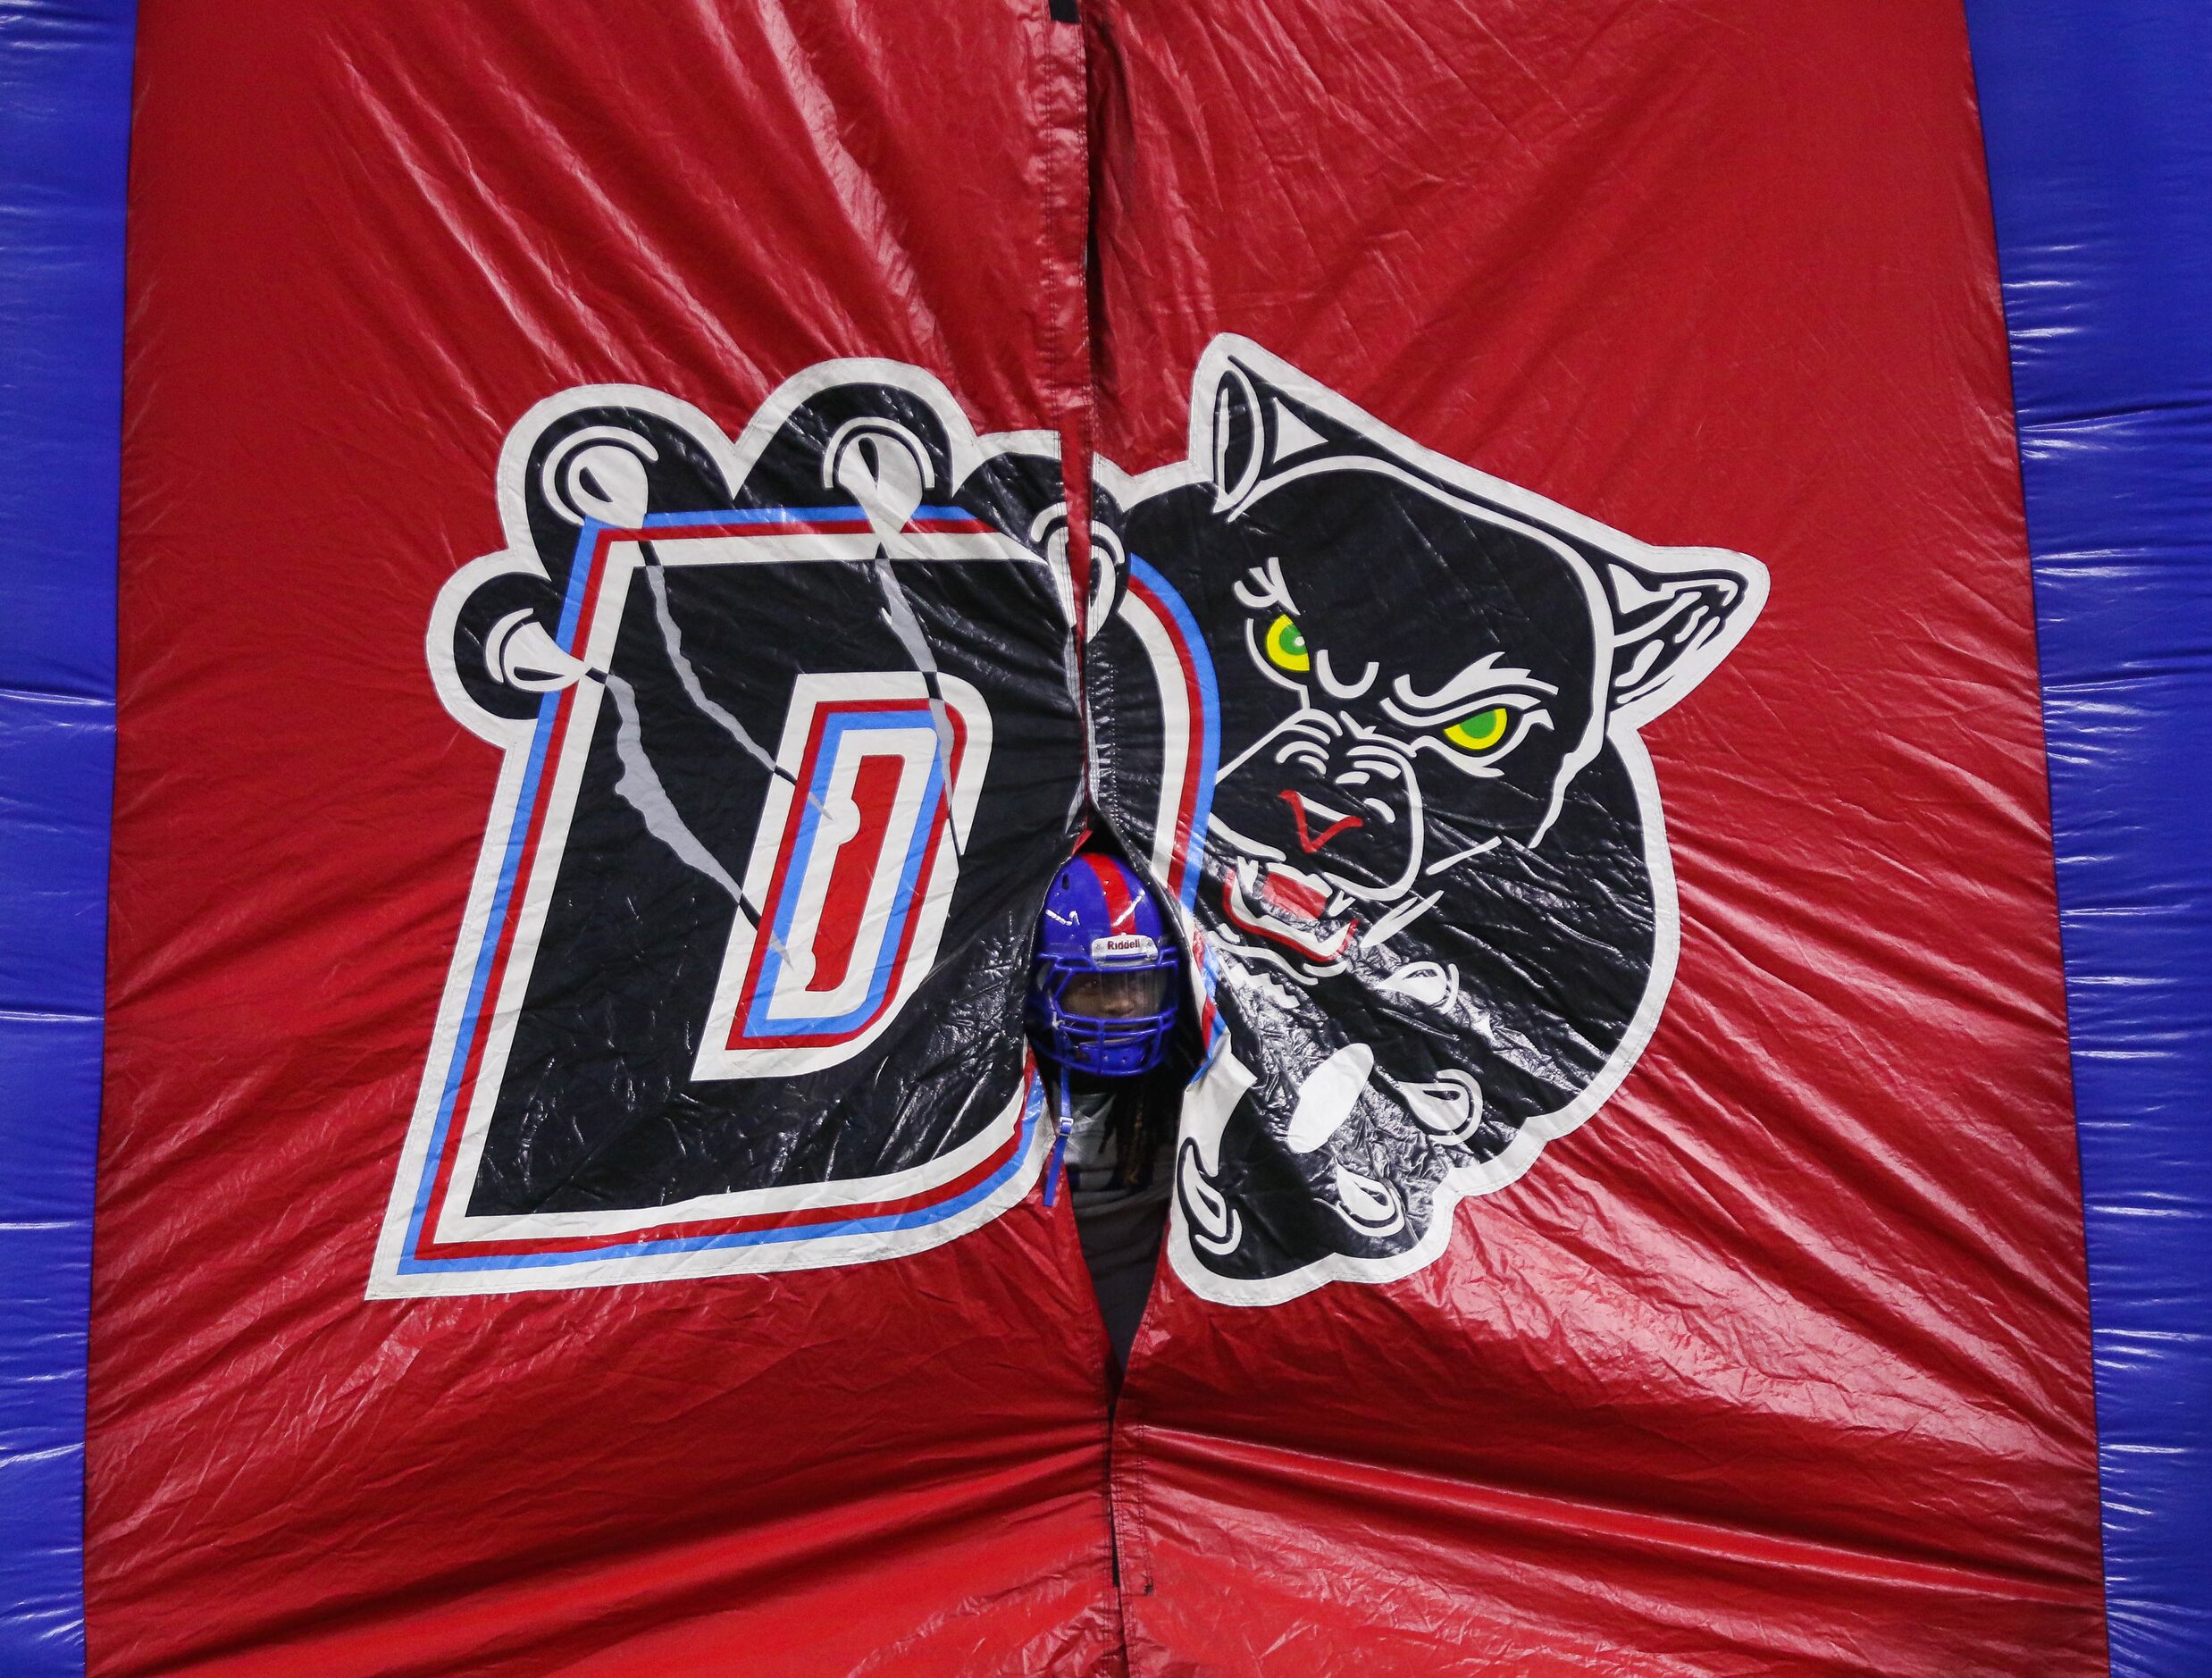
(1634, 583)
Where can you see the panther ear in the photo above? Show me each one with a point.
(1672, 624)
(1257, 429)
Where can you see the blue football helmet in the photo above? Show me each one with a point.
(1102, 992)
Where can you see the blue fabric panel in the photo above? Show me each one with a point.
(2100, 134)
(65, 108)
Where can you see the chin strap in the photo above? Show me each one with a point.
(1059, 1140)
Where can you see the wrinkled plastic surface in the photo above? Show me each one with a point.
(2102, 244)
(368, 241)
(64, 102)
(1778, 1361)
(1635, 1229)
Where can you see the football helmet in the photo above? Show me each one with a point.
(1103, 993)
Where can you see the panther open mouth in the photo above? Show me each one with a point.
(1288, 908)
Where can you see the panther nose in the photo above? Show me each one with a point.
(1318, 823)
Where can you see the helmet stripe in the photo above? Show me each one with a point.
(1120, 904)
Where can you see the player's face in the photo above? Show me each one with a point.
(1114, 996)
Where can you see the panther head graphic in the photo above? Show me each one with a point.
(1401, 793)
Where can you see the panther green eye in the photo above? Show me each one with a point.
(1482, 731)
(1286, 646)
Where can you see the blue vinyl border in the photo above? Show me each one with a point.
(2098, 122)
(64, 114)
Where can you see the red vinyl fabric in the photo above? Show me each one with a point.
(1777, 1363)
(367, 238)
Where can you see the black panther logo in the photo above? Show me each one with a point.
(792, 750)
(1372, 716)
